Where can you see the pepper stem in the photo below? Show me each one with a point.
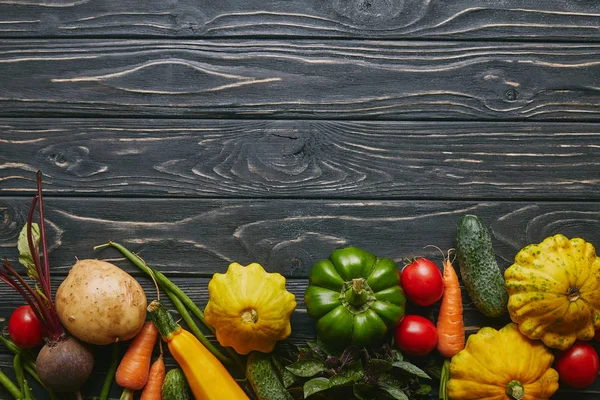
(357, 295)
(515, 390)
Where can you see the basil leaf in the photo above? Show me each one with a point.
(424, 389)
(411, 369)
(363, 391)
(287, 377)
(377, 366)
(397, 356)
(395, 392)
(25, 256)
(306, 368)
(352, 373)
(316, 385)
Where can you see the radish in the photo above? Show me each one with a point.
(63, 363)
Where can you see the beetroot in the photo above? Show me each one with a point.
(65, 366)
(63, 363)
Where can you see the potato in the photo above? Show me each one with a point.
(99, 303)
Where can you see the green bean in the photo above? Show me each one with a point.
(18, 367)
(110, 375)
(194, 328)
(162, 280)
(28, 364)
(182, 300)
(10, 386)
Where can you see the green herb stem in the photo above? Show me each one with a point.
(110, 375)
(10, 386)
(445, 376)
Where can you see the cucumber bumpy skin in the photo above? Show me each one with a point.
(478, 267)
(175, 386)
(264, 379)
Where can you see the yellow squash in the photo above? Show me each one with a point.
(207, 377)
(249, 308)
(554, 291)
(502, 365)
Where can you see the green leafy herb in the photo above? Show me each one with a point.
(306, 368)
(287, 377)
(356, 373)
(316, 385)
(25, 256)
(411, 369)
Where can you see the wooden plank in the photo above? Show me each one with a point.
(305, 79)
(300, 158)
(200, 237)
(551, 19)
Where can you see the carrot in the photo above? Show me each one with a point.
(133, 370)
(153, 388)
(450, 324)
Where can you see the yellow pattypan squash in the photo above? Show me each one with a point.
(502, 365)
(554, 291)
(249, 308)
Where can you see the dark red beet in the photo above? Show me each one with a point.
(65, 365)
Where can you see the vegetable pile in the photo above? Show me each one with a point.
(384, 331)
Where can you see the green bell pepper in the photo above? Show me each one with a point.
(355, 297)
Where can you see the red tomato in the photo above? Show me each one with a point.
(422, 282)
(25, 329)
(416, 335)
(578, 366)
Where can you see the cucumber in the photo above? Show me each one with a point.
(264, 379)
(175, 386)
(478, 267)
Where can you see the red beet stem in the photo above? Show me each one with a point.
(26, 293)
(46, 278)
(25, 289)
(57, 327)
(42, 306)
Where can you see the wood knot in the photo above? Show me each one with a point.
(363, 11)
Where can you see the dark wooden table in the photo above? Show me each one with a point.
(198, 133)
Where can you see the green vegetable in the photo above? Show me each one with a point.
(28, 363)
(445, 376)
(355, 296)
(263, 378)
(21, 381)
(478, 267)
(375, 373)
(10, 386)
(110, 374)
(181, 302)
(175, 386)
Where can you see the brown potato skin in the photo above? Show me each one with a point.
(99, 303)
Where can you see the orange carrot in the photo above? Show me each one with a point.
(133, 370)
(450, 324)
(153, 388)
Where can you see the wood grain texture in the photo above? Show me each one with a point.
(216, 158)
(300, 78)
(551, 19)
(287, 236)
